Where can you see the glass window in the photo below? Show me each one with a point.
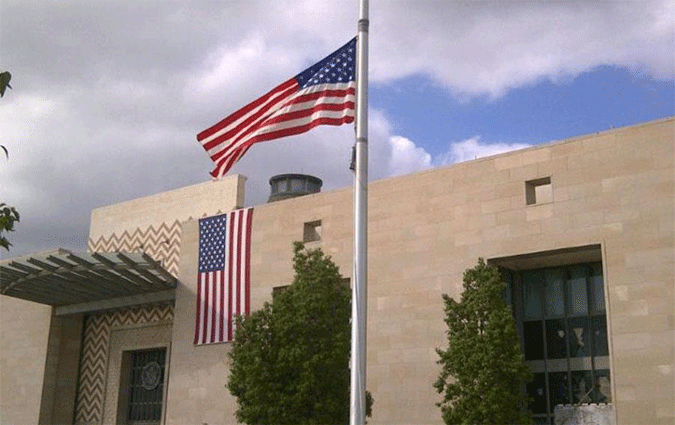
(599, 324)
(581, 386)
(146, 386)
(507, 276)
(533, 334)
(558, 389)
(598, 286)
(532, 288)
(577, 289)
(536, 389)
(602, 392)
(556, 339)
(555, 300)
(579, 337)
(564, 334)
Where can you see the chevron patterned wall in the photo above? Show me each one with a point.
(94, 361)
(161, 242)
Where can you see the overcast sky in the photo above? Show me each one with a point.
(108, 96)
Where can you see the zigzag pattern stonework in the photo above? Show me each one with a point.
(94, 360)
(161, 243)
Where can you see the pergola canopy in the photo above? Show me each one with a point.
(62, 278)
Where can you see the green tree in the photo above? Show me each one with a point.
(8, 215)
(483, 370)
(5, 78)
(290, 360)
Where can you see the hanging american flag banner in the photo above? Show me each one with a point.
(223, 280)
(322, 94)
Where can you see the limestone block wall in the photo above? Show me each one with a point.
(59, 389)
(152, 224)
(166, 207)
(24, 333)
(38, 381)
(615, 190)
(196, 389)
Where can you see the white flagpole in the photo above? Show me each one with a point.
(359, 292)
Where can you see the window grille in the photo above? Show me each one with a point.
(146, 389)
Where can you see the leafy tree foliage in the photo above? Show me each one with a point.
(290, 360)
(8, 216)
(5, 78)
(483, 370)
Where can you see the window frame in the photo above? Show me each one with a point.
(572, 366)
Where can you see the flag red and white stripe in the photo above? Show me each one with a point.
(223, 280)
(324, 94)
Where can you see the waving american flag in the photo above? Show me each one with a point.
(322, 94)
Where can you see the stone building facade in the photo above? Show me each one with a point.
(584, 230)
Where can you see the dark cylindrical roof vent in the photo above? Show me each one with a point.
(285, 186)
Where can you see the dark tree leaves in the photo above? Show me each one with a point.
(8, 216)
(5, 78)
(483, 370)
(290, 360)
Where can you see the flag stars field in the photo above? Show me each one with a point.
(309, 99)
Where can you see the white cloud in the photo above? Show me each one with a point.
(407, 157)
(476, 48)
(242, 71)
(107, 98)
(472, 148)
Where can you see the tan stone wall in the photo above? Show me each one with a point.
(206, 198)
(198, 374)
(24, 333)
(613, 189)
(61, 370)
(152, 224)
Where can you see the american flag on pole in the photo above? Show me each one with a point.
(223, 280)
(322, 94)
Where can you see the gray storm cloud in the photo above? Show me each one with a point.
(108, 96)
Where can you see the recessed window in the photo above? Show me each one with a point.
(312, 231)
(142, 386)
(561, 318)
(538, 191)
(279, 289)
